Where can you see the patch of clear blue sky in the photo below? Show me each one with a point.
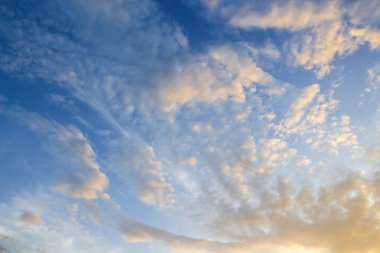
(22, 161)
(36, 97)
(202, 30)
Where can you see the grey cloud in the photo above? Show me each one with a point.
(3, 249)
(30, 217)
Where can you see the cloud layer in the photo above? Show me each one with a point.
(260, 137)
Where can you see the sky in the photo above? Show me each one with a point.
(189, 126)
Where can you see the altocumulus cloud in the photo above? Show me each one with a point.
(250, 141)
(319, 30)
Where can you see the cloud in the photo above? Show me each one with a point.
(191, 161)
(220, 74)
(199, 127)
(312, 116)
(316, 220)
(148, 175)
(297, 109)
(304, 161)
(87, 182)
(288, 15)
(3, 249)
(100, 49)
(275, 152)
(57, 233)
(367, 35)
(365, 12)
(135, 232)
(373, 80)
(270, 51)
(32, 218)
(207, 139)
(318, 32)
(317, 48)
(100, 71)
(82, 177)
(320, 220)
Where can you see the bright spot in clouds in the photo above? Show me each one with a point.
(208, 126)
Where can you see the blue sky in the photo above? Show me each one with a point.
(189, 126)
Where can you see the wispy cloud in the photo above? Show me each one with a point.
(83, 177)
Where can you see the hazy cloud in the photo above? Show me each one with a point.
(30, 217)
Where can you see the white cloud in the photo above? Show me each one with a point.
(275, 152)
(83, 177)
(100, 50)
(136, 232)
(371, 36)
(199, 127)
(297, 108)
(220, 74)
(271, 51)
(304, 161)
(211, 4)
(316, 220)
(148, 173)
(311, 116)
(241, 146)
(313, 219)
(88, 182)
(373, 81)
(318, 31)
(155, 190)
(342, 134)
(288, 15)
(317, 48)
(364, 12)
(191, 161)
(25, 231)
